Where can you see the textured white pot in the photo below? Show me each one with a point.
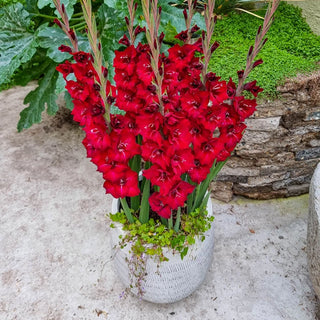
(169, 281)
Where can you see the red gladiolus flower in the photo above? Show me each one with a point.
(164, 178)
(177, 196)
(199, 171)
(123, 146)
(125, 60)
(155, 153)
(244, 107)
(124, 183)
(158, 204)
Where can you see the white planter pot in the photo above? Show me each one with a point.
(169, 281)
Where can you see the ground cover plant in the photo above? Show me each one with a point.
(291, 47)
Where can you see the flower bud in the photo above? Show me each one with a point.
(256, 63)
(72, 34)
(194, 29)
(185, 14)
(110, 99)
(57, 22)
(214, 47)
(64, 48)
(127, 21)
(105, 72)
(161, 37)
(63, 8)
(240, 74)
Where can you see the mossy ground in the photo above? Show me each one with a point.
(291, 48)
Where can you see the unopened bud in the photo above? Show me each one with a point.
(138, 30)
(250, 51)
(214, 46)
(195, 4)
(57, 22)
(215, 19)
(240, 74)
(161, 37)
(155, 44)
(127, 21)
(257, 62)
(185, 14)
(135, 6)
(72, 34)
(63, 8)
(264, 41)
(194, 29)
(160, 10)
(99, 46)
(259, 30)
(203, 35)
(110, 99)
(105, 72)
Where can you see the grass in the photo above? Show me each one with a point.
(291, 48)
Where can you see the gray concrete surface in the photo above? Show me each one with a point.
(311, 11)
(55, 257)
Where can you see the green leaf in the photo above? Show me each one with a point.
(52, 38)
(67, 3)
(111, 28)
(17, 43)
(43, 94)
(33, 69)
(68, 100)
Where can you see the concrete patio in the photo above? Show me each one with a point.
(55, 257)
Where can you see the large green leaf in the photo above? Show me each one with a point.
(67, 3)
(52, 38)
(111, 28)
(33, 69)
(38, 98)
(17, 43)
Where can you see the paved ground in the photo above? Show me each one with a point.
(311, 11)
(55, 258)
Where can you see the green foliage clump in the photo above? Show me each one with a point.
(150, 238)
(4, 3)
(291, 47)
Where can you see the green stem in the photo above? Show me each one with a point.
(126, 210)
(77, 25)
(170, 222)
(77, 14)
(177, 224)
(43, 16)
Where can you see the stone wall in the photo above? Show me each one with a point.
(280, 148)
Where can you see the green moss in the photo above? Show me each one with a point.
(291, 47)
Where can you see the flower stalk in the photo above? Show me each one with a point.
(259, 43)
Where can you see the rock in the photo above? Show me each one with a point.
(313, 116)
(222, 191)
(268, 179)
(313, 237)
(298, 189)
(263, 124)
(314, 143)
(308, 154)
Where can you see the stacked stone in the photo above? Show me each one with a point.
(280, 148)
